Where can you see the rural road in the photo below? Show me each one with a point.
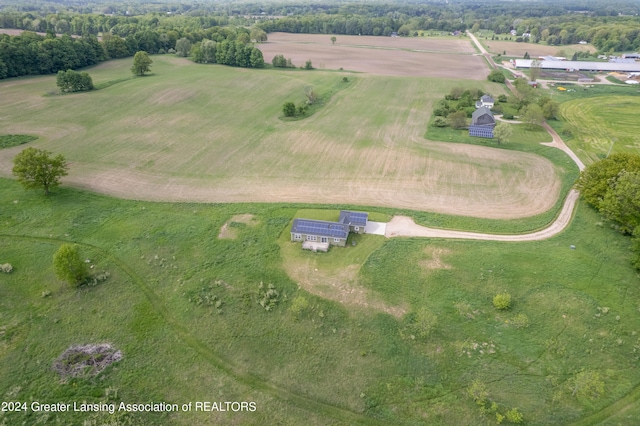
(403, 226)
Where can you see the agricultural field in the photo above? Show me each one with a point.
(361, 356)
(603, 124)
(513, 48)
(211, 133)
(392, 56)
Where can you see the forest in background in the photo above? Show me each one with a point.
(128, 27)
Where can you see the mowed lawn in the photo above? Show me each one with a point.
(603, 123)
(211, 133)
(331, 361)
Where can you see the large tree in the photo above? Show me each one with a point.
(141, 63)
(183, 47)
(458, 119)
(533, 116)
(599, 178)
(502, 132)
(35, 168)
(71, 81)
(621, 203)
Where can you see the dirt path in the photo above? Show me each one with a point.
(403, 226)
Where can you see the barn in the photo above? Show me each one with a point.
(482, 123)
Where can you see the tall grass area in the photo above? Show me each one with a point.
(327, 363)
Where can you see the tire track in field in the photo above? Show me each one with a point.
(224, 365)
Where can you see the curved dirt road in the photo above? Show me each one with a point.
(403, 226)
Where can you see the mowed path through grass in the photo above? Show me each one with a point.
(212, 134)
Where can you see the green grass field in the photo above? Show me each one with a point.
(601, 122)
(192, 132)
(331, 363)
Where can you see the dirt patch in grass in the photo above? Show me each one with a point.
(86, 360)
(434, 260)
(397, 56)
(340, 286)
(229, 231)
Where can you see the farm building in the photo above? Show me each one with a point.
(320, 234)
(485, 101)
(482, 123)
(580, 65)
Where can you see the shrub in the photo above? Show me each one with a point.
(477, 391)
(440, 122)
(514, 416)
(496, 76)
(308, 65)
(6, 268)
(289, 109)
(298, 305)
(502, 301)
(267, 298)
(68, 265)
(520, 321)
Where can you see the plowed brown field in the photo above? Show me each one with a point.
(398, 56)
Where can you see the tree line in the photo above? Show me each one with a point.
(32, 54)
(612, 186)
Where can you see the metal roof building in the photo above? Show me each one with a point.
(580, 65)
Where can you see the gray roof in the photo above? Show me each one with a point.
(476, 117)
(353, 218)
(581, 65)
(487, 99)
(320, 227)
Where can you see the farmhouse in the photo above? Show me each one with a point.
(482, 123)
(320, 234)
(485, 101)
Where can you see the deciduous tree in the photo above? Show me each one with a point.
(35, 168)
(621, 203)
(68, 265)
(496, 76)
(258, 35)
(458, 119)
(71, 81)
(533, 116)
(289, 109)
(141, 63)
(183, 47)
(598, 178)
(502, 132)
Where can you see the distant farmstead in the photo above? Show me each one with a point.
(320, 234)
(482, 123)
(485, 101)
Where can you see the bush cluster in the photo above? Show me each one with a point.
(268, 297)
(502, 301)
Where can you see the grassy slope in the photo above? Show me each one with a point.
(331, 364)
(601, 121)
(201, 125)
